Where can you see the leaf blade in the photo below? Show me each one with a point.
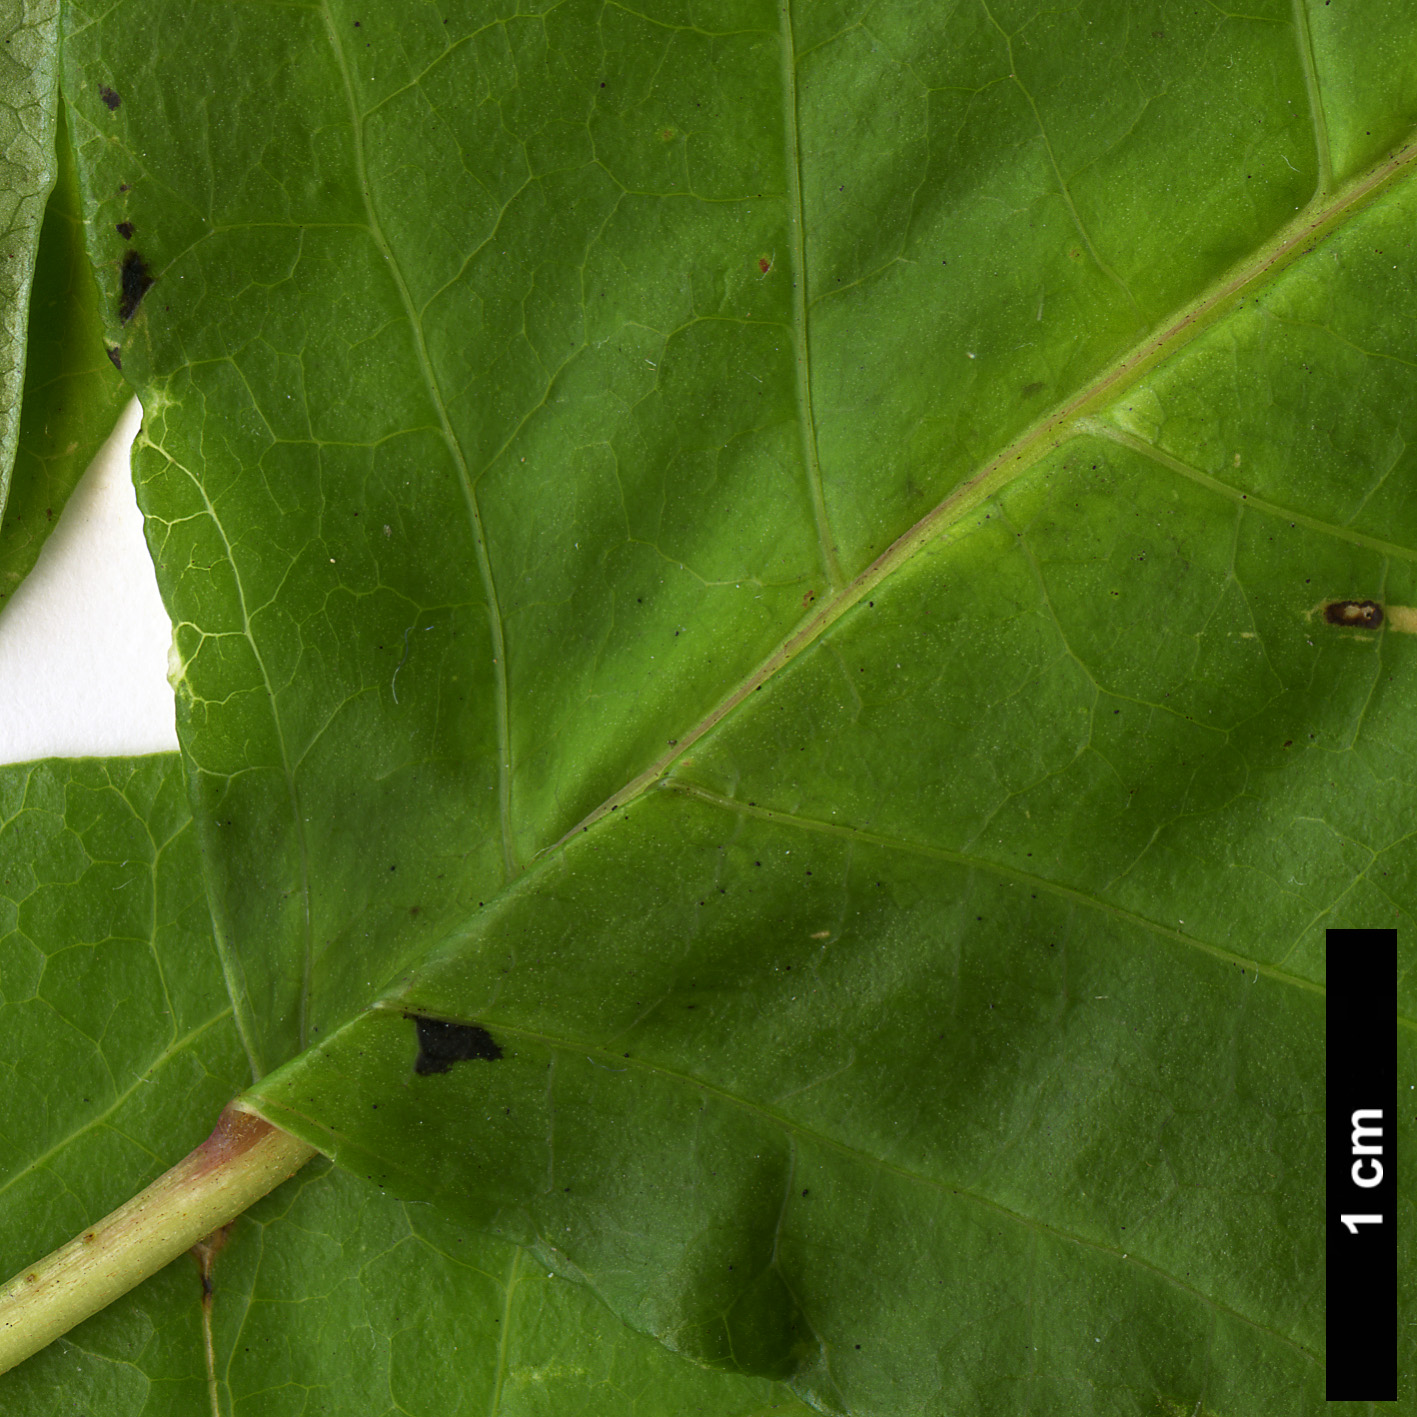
(958, 711)
(72, 393)
(28, 90)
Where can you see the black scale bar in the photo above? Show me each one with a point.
(1361, 1198)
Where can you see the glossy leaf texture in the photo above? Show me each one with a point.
(72, 392)
(119, 1049)
(774, 561)
(29, 49)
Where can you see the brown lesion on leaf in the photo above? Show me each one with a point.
(135, 281)
(1353, 614)
(1368, 615)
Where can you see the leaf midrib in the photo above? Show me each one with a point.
(1315, 222)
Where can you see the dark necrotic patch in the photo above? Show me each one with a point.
(441, 1044)
(1365, 614)
(116, 357)
(109, 97)
(125, 230)
(136, 284)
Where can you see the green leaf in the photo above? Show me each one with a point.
(774, 564)
(28, 79)
(116, 1035)
(118, 1046)
(72, 393)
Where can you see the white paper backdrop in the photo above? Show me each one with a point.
(83, 642)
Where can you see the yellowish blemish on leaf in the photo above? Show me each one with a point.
(1178, 1409)
(525, 1375)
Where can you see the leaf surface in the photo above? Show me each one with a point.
(775, 563)
(119, 1048)
(72, 393)
(28, 95)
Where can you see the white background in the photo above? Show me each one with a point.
(84, 640)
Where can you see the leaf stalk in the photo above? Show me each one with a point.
(243, 1158)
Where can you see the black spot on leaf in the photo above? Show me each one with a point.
(442, 1044)
(125, 230)
(116, 357)
(136, 284)
(1366, 614)
(109, 97)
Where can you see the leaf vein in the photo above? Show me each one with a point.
(465, 479)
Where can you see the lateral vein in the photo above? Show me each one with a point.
(806, 420)
(975, 863)
(1103, 429)
(1316, 103)
(435, 393)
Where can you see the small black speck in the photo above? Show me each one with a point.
(136, 284)
(1366, 613)
(116, 357)
(441, 1044)
(109, 97)
(125, 230)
